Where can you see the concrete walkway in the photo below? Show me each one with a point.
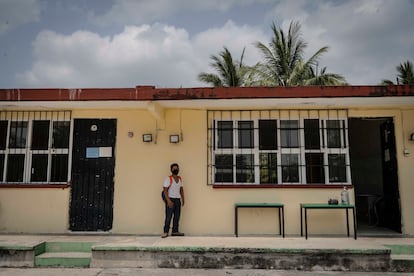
(321, 253)
(181, 272)
(210, 241)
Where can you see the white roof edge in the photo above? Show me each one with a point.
(204, 104)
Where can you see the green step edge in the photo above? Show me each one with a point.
(401, 249)
(62, 262)
(68, 246)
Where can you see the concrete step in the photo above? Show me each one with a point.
(402, 257)
(63, 259)
(68, 246)
(402, 263)
(64, 254)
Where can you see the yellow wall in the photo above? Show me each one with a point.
(34, 210)
(406, 171)
(142, 167)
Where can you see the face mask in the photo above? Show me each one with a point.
(175, 172)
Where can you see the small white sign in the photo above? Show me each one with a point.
(105, 152)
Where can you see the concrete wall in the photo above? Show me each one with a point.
(141, 168)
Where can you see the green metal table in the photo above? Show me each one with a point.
(306, 206)
(278, 206)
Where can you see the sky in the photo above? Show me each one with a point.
(167, 43)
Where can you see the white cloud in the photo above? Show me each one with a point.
(126, 12)
(234, 37)
(367, 40)
(156, 54)
(14, 13)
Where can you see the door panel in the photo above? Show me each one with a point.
(390, 207)
(93, 162)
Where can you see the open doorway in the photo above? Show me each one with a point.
(374, 175)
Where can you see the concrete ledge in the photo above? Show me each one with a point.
(17, 256)
(241, 258)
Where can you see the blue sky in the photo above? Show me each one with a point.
(166, 43)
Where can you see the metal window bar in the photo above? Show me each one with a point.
(18, 145)
(213, 116)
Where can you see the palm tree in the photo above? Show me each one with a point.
(405, 74)
(230, 73)
(324, 78)
(283, 61)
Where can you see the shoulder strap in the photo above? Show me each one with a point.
(171, 180)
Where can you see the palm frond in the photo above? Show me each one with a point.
(283, 62)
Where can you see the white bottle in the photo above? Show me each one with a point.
(345, 196)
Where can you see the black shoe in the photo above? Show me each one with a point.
(176, 234)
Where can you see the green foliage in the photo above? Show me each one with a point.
(405, 74)
(229, 72)
(283, 64)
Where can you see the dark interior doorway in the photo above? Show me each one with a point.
(374, 175)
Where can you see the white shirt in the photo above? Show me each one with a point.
(174, 190)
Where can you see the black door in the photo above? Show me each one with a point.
(390, 212)
(93, 162)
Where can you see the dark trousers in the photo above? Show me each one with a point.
(172, 213)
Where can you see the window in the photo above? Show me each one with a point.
(15, 168)
(271, 147)
(39, 168)
(245, 131)
(18, 134)
(59, 170)
(290, 168)
(267, 134)
(3, 134)
(315, 172)
(289, 133)
(34, 146)
(61, 131)
(40, 135)
(244, 168)
(268, 168)
(312, 134)
(1, 167)
(225, 134)
(224, 168)
(337, 167)
(334, 130)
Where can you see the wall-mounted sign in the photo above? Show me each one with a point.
(92, 152)
(105, 152)
(97, 152)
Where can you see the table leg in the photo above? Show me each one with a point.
(347, 221)
(301, 221)
(280, 223)
(235, 221)
(306, 223)
(355, 227)
(283, 221)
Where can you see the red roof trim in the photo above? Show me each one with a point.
(150, 93)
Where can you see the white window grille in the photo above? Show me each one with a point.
(272, 147)
(35, 147)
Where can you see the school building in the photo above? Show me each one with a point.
(76, 160)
